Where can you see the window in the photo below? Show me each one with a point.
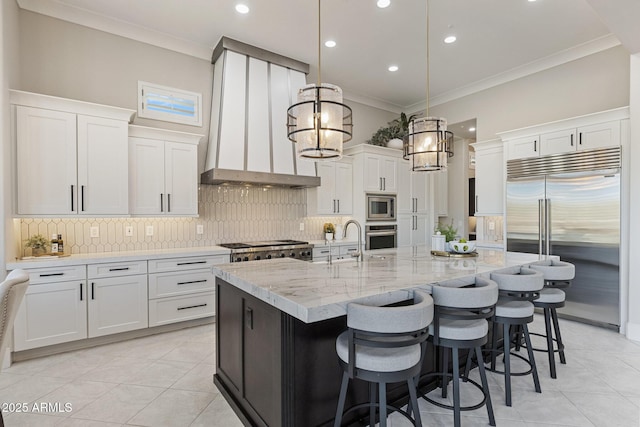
(169, 104)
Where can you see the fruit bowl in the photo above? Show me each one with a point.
(463, 247)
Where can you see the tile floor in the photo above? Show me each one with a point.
(166, 380)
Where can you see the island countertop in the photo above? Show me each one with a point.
(313, 292)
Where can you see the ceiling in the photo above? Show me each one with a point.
(497, 40)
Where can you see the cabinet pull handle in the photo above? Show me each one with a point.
(535, 145)
(338, 211)
(580, 138)
(93, 290)
(324, 252)
(161, 205)
(82, 198)
(72, 198)
(191, 262)
(168, 202)
(81, 292)
(51, 274)
(192, 281)
(476, 210)
(119, 269)
(380, 183)
(249, 317)
(192, 306)
(572, 140)
(334, 205)
(384, 184)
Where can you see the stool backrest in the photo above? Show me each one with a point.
(520, 279)
(477, 293)
(554, 270)
(12, 292)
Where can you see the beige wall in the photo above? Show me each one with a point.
(367, 120)
(595, 83)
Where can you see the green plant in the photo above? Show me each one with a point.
(328, 227)
(37, 241)
(448, 231)
(396, 128)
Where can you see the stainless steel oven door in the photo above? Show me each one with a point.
(381, 236)
(381, 207)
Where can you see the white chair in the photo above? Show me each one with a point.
(12, 291)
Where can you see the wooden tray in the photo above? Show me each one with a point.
(454, 254)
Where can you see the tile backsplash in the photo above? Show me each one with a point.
(227, 214)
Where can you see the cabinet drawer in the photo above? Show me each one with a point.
(180, 283)
(177, 309)
(57, 274)
(187, 263)
(114, 269)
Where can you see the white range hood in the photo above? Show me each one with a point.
(248, 144)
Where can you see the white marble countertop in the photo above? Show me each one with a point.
(101, 257)
(313, 292)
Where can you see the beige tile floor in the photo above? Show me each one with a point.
(166, 380)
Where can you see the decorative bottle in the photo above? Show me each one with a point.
(60, 244)
(54, 243)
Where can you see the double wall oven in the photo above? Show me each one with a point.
(379, 234)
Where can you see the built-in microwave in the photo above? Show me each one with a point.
(381, 207)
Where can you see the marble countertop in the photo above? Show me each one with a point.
(312, 292)
(101, 257)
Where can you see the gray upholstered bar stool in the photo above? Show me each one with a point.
(518, 286)
(384, 345)
(557, 275)
(462, 308)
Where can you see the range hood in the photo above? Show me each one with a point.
(248, 144)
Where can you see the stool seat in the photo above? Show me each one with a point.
(379, 359)
(551, 296)
(514, 309)
(463, 330)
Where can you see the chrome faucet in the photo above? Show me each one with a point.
(344, 234)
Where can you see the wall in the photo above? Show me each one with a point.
(367, 120)
(228, 214)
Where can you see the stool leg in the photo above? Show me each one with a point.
(341, 399)
(382, 388)
(413, 403)
(467, 367)
(485, 388)
(494, 345)
(506, 341)
(532, 360)
(556, 327)
(445, 370)
(547, 325)
(456, 387)
(372, 404)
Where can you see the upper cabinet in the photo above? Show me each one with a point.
(412, 190)
(163, 169)
(71, 156)
(489, 178)
(380, 173)
(441, 192)
(598, 130)
(335, 194)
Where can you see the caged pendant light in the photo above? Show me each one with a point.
(319, 123)
(429, 143)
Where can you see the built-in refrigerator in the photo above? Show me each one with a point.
(569, 205)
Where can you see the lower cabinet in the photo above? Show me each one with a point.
(338, 251)
(412, 229)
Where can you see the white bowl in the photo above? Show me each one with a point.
(463, 248)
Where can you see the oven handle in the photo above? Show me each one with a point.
(382, 233)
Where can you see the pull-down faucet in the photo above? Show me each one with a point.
(344, 234)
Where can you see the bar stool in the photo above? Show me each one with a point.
(557, 275)
(384, 345)
(462, 308)
(518, 286)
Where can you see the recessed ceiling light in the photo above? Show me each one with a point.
(450, 39)
(472, 129)
(242, 8)
(383, 3)
(393, 68)
(330, 43)
(532, 0)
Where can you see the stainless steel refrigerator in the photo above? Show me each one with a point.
(569, 205)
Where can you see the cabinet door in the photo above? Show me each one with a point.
(146, 175)
(489, 182)
(117, 304)
(51, 313)
(372, 173)
(405, 229)
(389, 174)
(420, 227)
(441, 192)
(419, 185)
(521, 148)
(46, 157)
(103, 177)
(558, 142)
(405, 201)
(326, 193)
(344, 188)
(599, 135)
(181, 178)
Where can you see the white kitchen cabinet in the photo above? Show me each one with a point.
(117, 298)
(588, 137)
(163, 170)
(489, 178)
(412, 229)
(520, 148)
(441, 192)
(70, 164)
(338, 250)
(54, 308)
(380, 173)
(335, 194)
(412, 190)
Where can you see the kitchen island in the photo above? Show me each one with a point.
(277, 321)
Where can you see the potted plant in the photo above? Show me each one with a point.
(396, 129)
(329, 229)
(38, 244)
(448, 231)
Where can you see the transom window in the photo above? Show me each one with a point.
(169, 104)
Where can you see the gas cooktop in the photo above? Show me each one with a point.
(253, 251)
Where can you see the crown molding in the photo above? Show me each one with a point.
(110, 25)
(372, 102)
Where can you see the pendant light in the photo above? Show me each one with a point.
(319, 123)
(429, 143)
